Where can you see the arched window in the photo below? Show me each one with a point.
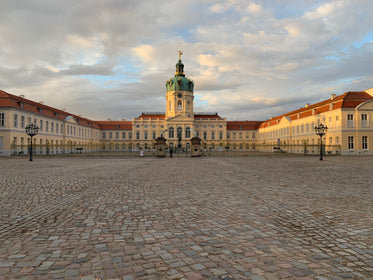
(171, 132)
(187, 132)
(179, 105)
(179, 133)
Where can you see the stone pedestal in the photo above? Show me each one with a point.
(160, 147)
(196, 147)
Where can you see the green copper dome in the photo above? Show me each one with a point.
(179, 81)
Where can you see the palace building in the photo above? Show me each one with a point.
(348, 117)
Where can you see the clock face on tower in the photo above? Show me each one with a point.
(179, 95)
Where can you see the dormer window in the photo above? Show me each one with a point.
(39, 109)
(20, 104)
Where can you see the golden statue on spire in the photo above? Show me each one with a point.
(180, 54)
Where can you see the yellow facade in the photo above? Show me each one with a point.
(348, 118)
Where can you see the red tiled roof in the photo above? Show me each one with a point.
(200, 116)
(115, 125)
(349, 99)
(243, 125)
(151, 117)
(10, 100)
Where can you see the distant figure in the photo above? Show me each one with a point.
(171, 151)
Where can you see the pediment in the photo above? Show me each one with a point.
(367, 105)
(285, 120)
(70, 119)
(178, 119)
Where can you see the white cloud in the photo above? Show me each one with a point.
(254, 8)
(244, 56)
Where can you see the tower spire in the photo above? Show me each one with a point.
(180, 65)
(180, 54)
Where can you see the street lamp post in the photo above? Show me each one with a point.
(321, 130)
(31, 131)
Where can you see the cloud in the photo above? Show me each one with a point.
(247, 58)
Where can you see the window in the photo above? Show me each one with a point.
(187, 132)
(57, 128)
(350, 142)
(213, 135)
(364, 120)
(330, 140)
(137, 135)
(253, 135)
(52, 127)
(145, 135)
(205, 135)
(2, 119)
(221, 135)
(103, 135)
(179, 105)
(228, 135)
(117, 135)
(47, 126)
(15, 123)
(129, 135)
(123, 135)
(350, 120)
(364, 142)
(22, 121)
(41, 125)
(171, 132)
(240, 135)
(110, 135)
(154, 134)
(179, 133)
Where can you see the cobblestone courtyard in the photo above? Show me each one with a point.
(186, 218)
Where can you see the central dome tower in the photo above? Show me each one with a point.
(179, 93)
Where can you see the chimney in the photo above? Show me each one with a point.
(109, 120)
(41, 102)
(22, 96)
(307, 105)
(333, 96)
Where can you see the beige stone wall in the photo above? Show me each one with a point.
(49, 139)
(299, 135)
(241, 139)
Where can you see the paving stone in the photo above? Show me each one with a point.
(126, 218)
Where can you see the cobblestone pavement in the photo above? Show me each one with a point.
(186, 218)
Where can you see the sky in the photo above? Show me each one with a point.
(249, 60)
